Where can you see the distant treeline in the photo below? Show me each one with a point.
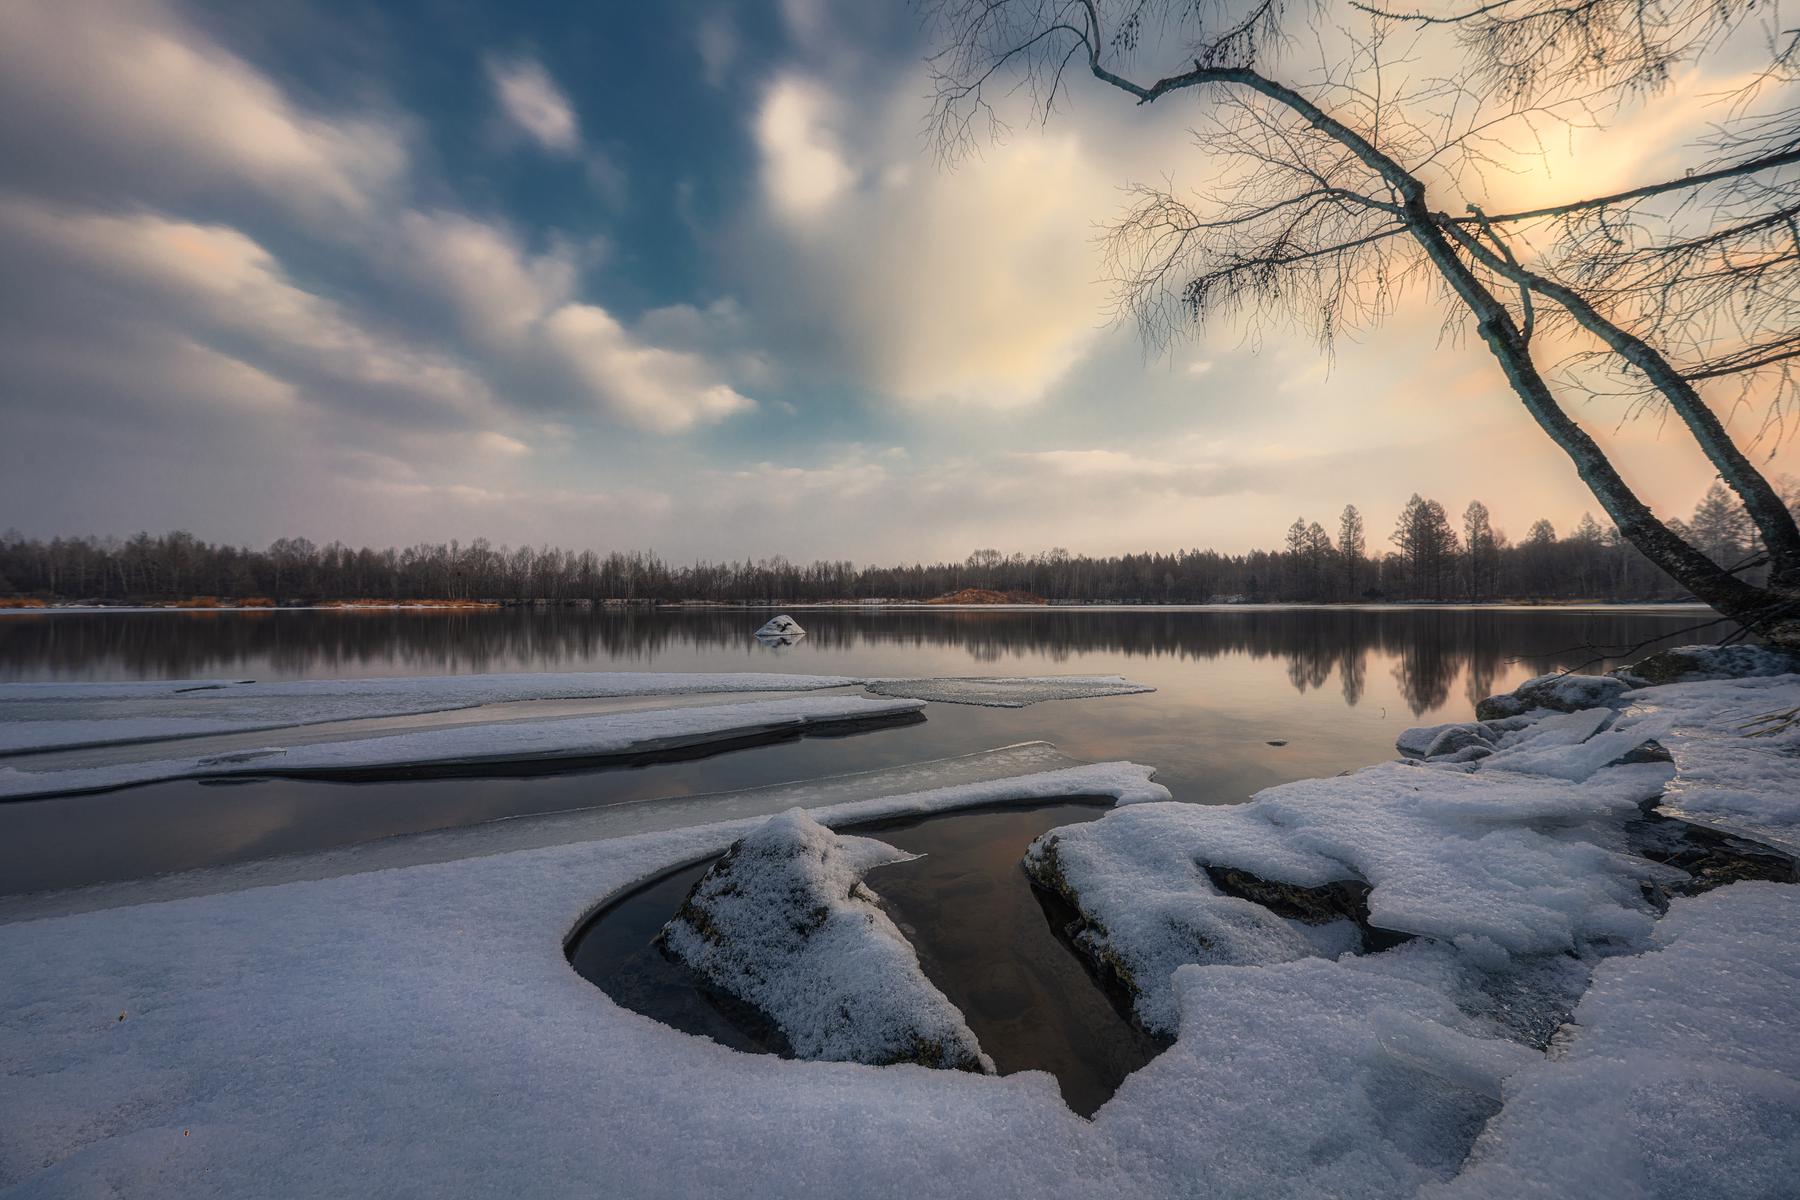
(1433, 557)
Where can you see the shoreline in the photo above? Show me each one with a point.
(1650, 606)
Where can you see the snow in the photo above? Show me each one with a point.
(419, 1031)
(1355, 1078)
(1147, 908)
(399, 1026)
(1682, 1064)
(1736, 769)
(1009, 692)
(1497, 863)
(1692, 664)
(785, 923)
(603, 736)
(1558, 692)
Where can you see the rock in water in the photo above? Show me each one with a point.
(782, 626)
(784, 923)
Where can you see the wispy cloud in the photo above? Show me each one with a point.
(533, 102)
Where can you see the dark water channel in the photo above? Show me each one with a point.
(1334, 685)
(985, 936)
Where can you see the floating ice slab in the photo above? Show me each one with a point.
(785, 923)
(782, 626)
(1009, 692)
(41, 717)
(44, 716)
(1006, 773)
(576, 738)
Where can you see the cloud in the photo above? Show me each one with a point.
(533, 102)
(212, 282)
(153, 103)
(664, 391)
(716, 41)
(803, 169)
(970, 287)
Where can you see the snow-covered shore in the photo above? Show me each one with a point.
(1559, 1016)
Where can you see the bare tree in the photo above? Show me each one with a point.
(1339, 184)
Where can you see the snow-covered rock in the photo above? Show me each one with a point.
(1461, 743)
(1498, 864)
(782, 626)
(1557, 692)
(1145, 907)
(1693, 664)
(784, 923)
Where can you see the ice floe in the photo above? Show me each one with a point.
(46, 716)
(572, 738)
(42, 717)
(1008, 692)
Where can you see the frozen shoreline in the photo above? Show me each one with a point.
(417, 1030)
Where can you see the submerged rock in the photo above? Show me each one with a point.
(784, 923)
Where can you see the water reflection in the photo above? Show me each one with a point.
(1426, 650)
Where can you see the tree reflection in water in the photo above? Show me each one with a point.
(1428, 647)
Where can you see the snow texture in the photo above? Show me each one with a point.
(607, 735)
(1737, 766)
(418, 1031)
(785, 923)
(1009, 693)
(1496, 863)
(1680, 1076)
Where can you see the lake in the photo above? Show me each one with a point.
(1333, 685)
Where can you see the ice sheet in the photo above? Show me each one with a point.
(612, 734)
(1009, 692)
(43, 716)
(38, 717)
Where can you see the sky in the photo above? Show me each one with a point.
(683, 276)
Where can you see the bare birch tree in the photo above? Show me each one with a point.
(1344, 171)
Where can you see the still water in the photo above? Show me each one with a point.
(1335, 685)
(984, 935)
